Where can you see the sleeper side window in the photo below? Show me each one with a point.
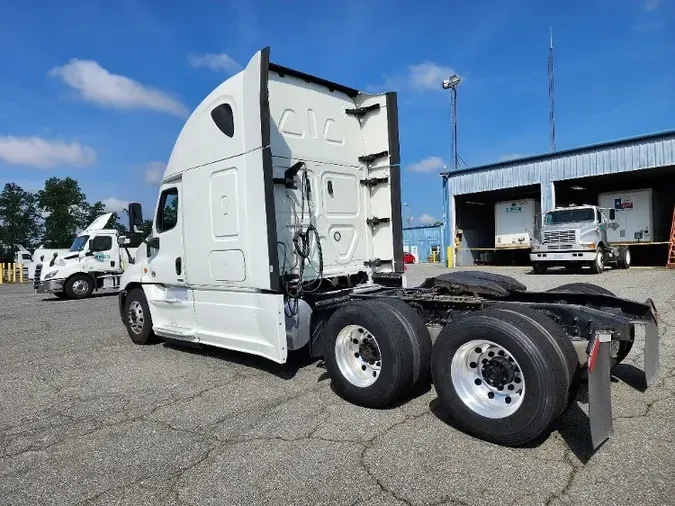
(223, 117)
(167, 218)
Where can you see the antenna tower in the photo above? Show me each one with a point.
(551, 103)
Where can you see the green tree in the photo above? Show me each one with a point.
(66, 210)
(18, 217)
(91, 212)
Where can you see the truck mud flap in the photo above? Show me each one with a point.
(599, 377)
(599, 388)
(651, 355)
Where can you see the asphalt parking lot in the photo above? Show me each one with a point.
(88, 417)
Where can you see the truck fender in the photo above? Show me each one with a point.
(93, 279)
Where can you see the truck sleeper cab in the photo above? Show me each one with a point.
(278, 227)
(575, 237)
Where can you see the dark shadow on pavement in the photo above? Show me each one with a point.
(92, 296)
(631, 376)
(296, 359)
(574, 427)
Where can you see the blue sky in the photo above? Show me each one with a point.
(99, 90)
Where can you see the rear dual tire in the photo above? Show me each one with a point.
(377, 352)
(504, 374)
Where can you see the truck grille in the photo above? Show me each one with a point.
(558, 236)
(36, 276)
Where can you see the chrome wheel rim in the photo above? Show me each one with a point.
(80, 287)
(358, 356)
(135, 317)
(487, 379)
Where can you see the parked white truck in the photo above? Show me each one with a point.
(95, 261)
(43, 253)
(577, 236)
(278, 227)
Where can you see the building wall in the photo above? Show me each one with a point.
(424, 238)
(646, 152)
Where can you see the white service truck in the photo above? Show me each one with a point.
(278, 227)
(95, 261)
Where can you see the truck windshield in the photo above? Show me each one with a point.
(79, 242)
(570, 216)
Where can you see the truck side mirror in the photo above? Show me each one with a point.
(135, 212)
(612, 214)
(123, 240)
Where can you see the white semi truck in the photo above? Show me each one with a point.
(95, 261)
(278, 227)
(43, 253)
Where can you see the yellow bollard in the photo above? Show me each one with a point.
(13, 271)
(2, 273)
(450, 256)
(21, 273)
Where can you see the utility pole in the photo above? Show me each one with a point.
(451, 84)
(551, 102)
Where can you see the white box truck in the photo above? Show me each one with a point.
(278, 227)
(638, 215)
(516, 222)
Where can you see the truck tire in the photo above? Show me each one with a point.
(420, 340)
(619, 349)
(369, 354)
(623, 257)
(79, 286)
(587, 288)
(502, 376)
(598, 265)
(539, 268)
(137, 318)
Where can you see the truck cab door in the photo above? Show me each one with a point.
(100, 254)
(166, 258)
(164, 275)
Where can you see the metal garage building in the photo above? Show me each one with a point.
(424, 240)
(555, 179)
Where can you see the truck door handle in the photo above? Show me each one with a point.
(178, 266)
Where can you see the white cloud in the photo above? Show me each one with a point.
(425, 76)
(426, 219)
(113, 204)
(96, 84)
(215, 62)
(428, 75)
(44, 154)
(512, 156)
(428, 164)
(651, 5)
(154, 171)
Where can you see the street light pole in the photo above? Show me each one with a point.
(451, 84)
